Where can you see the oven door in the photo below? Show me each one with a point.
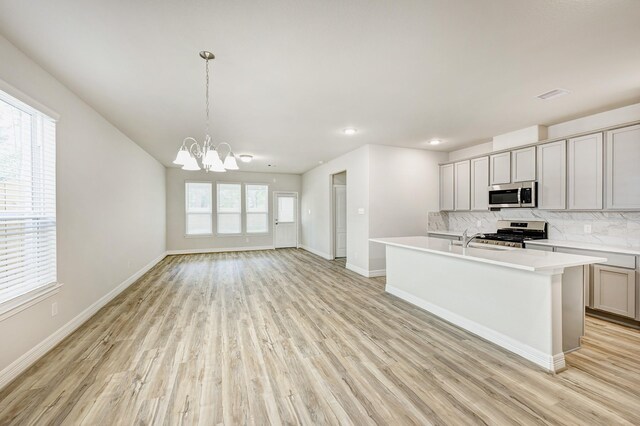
(504, 195)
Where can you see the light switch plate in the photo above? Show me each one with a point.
(587, 229)
(361, 210)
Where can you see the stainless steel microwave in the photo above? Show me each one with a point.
(521, 194)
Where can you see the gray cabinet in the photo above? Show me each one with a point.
(523, 164)
(614, 290)
(462, 185)
(446, 187)
(480, 183)
(585, 172)
(500, 168)
(552, 176)
(623, 163)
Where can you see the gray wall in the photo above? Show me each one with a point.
(176, 178)
(316, 208)
(110, 205)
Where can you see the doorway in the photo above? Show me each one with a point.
(285, 214)
(339, 215)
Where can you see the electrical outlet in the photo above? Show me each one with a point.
(246, 240)
(587, 229)
(54, 309)
(479, 223)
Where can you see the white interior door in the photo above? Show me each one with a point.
(340, 220)
(286, 220)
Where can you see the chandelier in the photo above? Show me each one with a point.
(208, 154)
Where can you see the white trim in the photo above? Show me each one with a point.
(377, 273)
(332, 214)
(218, 250)
(19, 303)
(26, 99)
(357, 269)
(558, 361)
(17, 367)
(316, 252)
(552, 363)
(369, 274)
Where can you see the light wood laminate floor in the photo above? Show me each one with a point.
(287, 337)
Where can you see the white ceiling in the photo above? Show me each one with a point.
(290, 75)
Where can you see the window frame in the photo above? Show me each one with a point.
(246, 212)
(22, 298)
(186, 210)
(229, 234)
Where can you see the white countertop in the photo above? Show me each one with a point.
(528, 260)
(585, 246)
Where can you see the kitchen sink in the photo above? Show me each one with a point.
(484, 246)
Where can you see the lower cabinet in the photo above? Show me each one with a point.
(614, 290)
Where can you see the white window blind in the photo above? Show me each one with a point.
(257, 208)
(229, 208)
(199, 207)
(27, 199)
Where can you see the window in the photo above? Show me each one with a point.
(286, 209)
(27, 200)
(198, 208)
(229, 208)
(257, 208)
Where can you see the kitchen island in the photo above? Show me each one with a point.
(528, 302)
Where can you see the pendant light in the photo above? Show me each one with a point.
(191, 151)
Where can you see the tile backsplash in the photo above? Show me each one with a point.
(608, 228)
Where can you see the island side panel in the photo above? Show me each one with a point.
(518, 310)
(572, 307)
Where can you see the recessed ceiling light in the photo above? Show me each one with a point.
(350, 131)
(245, 158)
(435, 142)
(552, 94)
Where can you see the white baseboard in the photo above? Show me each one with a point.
(364, 272)
(550, 362)
(377, 273)
(316, 252)
(25, 361)
(357, 269)
(218, 250)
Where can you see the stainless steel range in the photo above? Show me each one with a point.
(514, 233)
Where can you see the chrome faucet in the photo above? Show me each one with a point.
(466, 240)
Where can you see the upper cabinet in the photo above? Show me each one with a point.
(500, 168)
(446, 187)
(598, 171)
(523, 164)
(623, 168)
(552, 176)
(480, 183)
(462, 186)
(585, 172)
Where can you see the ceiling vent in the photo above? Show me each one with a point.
(552, 94)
